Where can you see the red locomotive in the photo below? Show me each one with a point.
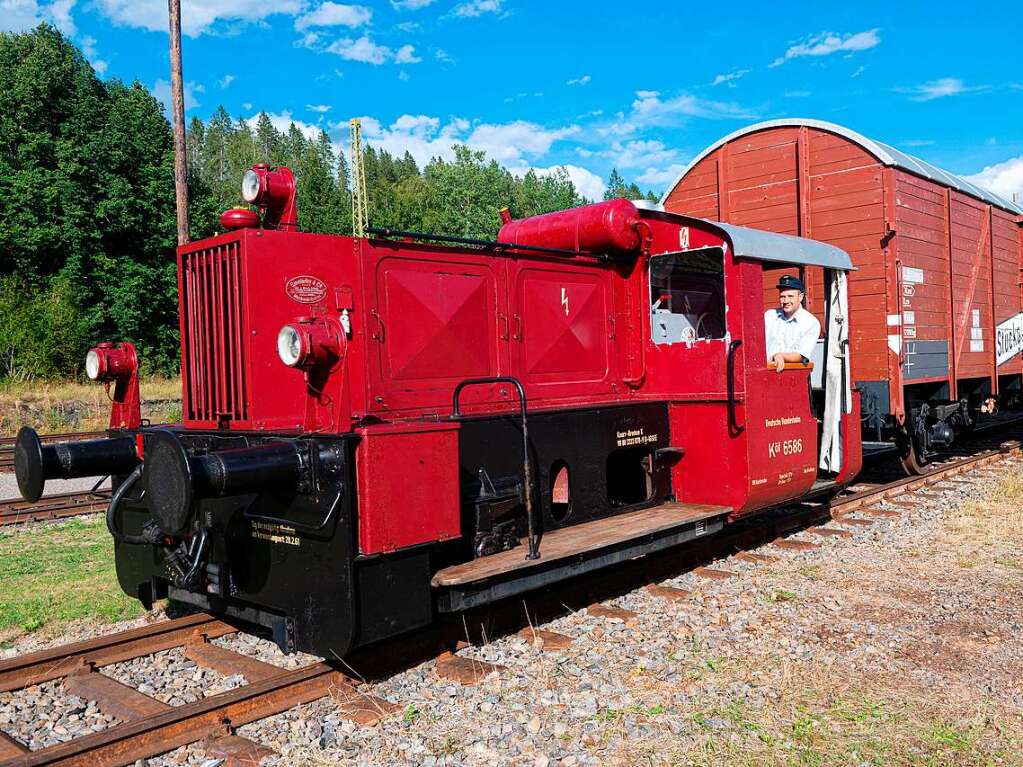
(380, 430)
(936, 298)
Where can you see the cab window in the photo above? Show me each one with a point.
(687, 296)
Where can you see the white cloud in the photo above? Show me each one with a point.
(640, 154)
(859, 71)
(441, 55)
(586, 183)
(403, 76)
(23, 15)
(731, 77)
(512, 144)
(649, 109)
(363, 49)
(283, 121)
(89, 51)
(406, 54)
(475, 8)
(18, 15)
(826, 43)
(1004, 179)
(410, 5)
(797, 94)
(162, 92)
(936, 89)
(60, 12)
(660, 177)
(334, 15)
(247, 106)
(225, 81)
(578, 80)
(914, 142)
(508, 142)
(197, 16)
(321, 108)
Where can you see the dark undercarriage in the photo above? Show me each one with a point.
(285, 557)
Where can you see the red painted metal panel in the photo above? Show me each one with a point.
(562, 326)
(435, 323)
(407, 477)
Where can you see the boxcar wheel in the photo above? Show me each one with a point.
(911, 454)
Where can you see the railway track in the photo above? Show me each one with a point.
(149, 727)
(15, 511)
(7, 444)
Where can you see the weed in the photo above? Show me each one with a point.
(782, 595)
(411, 714)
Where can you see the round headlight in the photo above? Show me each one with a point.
(250, 186)
(92, 364)
(289, 346)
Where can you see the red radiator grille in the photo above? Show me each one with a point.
(213, 334)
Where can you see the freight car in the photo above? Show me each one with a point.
(381, 430)
(936, 298)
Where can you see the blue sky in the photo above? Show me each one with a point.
(584, 85)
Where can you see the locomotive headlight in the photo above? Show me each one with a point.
(250, 186)
(310, 342)
(289, 346)
(92, 365)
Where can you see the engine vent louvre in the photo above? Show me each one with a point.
(213, 334)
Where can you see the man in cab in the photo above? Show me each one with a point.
(791, 330)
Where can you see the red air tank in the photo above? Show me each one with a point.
(611, 227)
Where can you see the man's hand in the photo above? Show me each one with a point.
(778, 360)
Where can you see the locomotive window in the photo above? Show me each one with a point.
(687, 296)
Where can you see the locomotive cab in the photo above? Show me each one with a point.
(378, 431)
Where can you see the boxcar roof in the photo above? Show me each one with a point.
(767, 246)
(883, 152)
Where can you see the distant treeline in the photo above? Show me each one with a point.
(87, 218)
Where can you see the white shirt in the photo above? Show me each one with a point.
(797, 333)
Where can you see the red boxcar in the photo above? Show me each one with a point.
(936, 301)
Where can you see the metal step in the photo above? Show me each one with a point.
(571, 551)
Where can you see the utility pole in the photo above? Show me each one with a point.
(360, 211)
(178, 110)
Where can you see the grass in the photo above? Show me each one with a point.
(56, 574)
(75, 406)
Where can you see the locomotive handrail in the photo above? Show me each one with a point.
(300, 527)
(527, 473)
(732, 423)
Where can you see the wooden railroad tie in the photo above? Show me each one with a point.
(465, 671)
(668, 592)
(830, 532)
(843, 520)
(785, 543)
(548, 640)
(749, 556)
(611, 613)
(711, 573)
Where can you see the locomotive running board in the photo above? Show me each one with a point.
(572, 551)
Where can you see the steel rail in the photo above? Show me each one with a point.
(42, 666)
(15, 511)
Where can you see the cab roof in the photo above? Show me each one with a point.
(761, 245)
